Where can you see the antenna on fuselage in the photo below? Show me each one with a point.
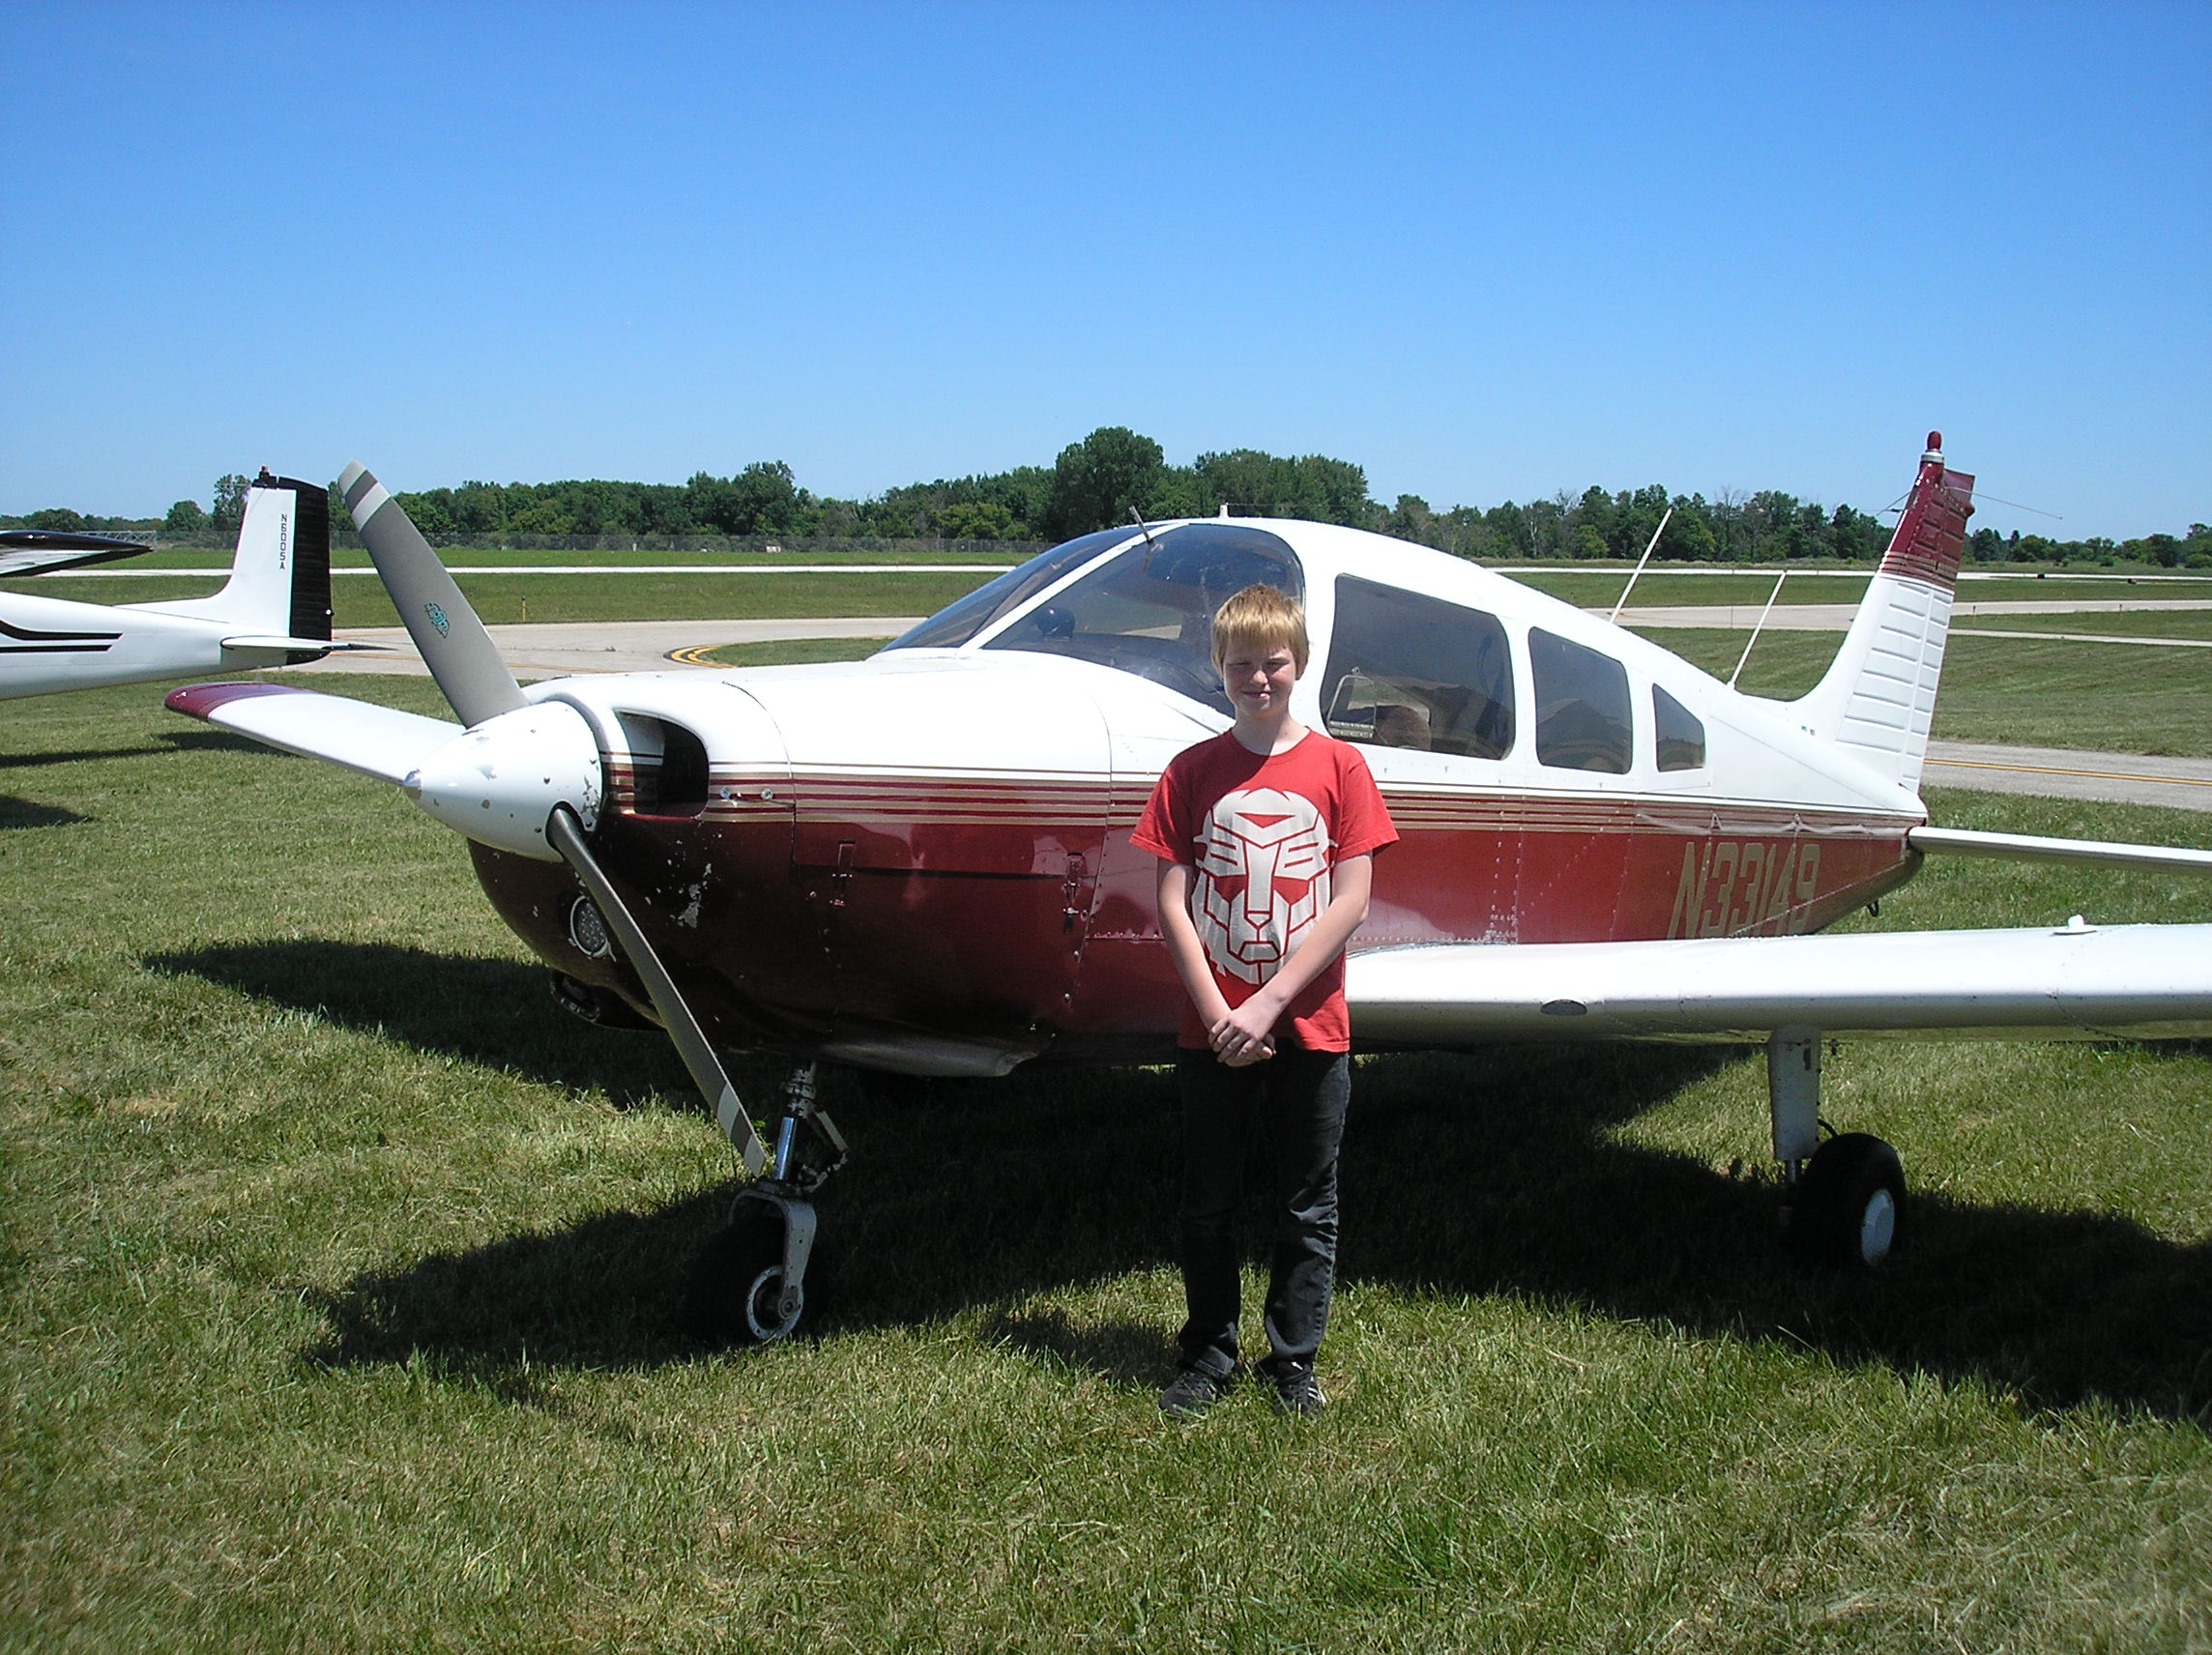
(1641, 562)
(1755, 630)
(1137, 517)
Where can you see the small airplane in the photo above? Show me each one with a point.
(274, 611)
(920, 862)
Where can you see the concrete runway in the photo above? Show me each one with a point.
(645, 645)
(533, 652)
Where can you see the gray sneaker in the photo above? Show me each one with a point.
(1191, 1392)
(1297, 1393)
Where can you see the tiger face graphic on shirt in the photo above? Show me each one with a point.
(1262, 880)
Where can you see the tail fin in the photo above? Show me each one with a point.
(280, 586)
(1879, 696)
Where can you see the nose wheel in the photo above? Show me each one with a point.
(748, 1285)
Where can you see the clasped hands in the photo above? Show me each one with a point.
(1244, 1034)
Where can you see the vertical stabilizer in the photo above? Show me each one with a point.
(1879, 696)
(280, 584)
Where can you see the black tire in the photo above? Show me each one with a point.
(737, 1282)
(1848, 1207)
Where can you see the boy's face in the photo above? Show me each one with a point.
(1259, 678)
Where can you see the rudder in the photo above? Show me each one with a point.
(1878, 698)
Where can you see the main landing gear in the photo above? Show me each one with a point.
(748, 1285)
(1846, 1197)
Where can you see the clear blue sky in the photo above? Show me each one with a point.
(1484, 251)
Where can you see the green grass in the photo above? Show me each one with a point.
(2125, 624)
(2099, 697)
(1661, 588)
(555, 597)
(790, 651)
(338, 1278)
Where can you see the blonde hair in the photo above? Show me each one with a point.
(1256, 616)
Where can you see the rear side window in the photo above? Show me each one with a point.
(1406, 670)
(1582, 718)
(1680, 733)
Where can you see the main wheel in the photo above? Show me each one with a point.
(738, 1293)
(1848, 1207)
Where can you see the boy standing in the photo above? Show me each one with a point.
(1265, 835)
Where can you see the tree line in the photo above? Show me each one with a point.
(1115, 472)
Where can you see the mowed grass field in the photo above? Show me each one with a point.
(340, 1273)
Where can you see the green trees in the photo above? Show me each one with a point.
(1101, 481)
(229, 502)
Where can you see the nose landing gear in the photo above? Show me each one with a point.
(748, 1285)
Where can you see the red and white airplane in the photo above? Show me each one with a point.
(920, 862)
(273, 611)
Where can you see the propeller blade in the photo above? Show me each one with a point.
(457, 649)
(707, 1072)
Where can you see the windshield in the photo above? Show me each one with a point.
(1150, 610)
(958, 622)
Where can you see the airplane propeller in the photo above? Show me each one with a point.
(479, 783)
(457, 649)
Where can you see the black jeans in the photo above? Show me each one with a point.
(1303, 1096)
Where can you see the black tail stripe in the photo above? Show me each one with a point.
(28, 635)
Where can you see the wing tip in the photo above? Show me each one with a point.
(202, 700)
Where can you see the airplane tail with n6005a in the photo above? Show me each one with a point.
(920, 862)
(275, 609)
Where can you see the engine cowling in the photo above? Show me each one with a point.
(498, 781)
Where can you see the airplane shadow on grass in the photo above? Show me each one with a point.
(1464, 1175)
(29, 813)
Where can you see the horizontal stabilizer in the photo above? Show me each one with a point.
(2033, 848)
(2081, 981)
(321, 645)
(377, 742)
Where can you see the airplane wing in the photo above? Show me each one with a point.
(379, 741)
(42, 551)
(2080, 981)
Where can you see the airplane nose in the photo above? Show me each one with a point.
(497, 782)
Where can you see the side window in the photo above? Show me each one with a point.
(1681, 733)
(1409, 671)
(1581, 706)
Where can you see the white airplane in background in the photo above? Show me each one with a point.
(48, 551)
(920, 862)
(274, 611)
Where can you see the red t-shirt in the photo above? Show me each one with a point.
(1261, 835)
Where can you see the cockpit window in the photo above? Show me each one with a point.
(1150, 610)
(958, 622)
(1406, 670)
(1679, 734)
(1581, 706)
